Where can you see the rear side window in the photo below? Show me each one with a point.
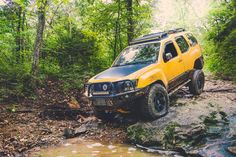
(182, 43)
(192, 39)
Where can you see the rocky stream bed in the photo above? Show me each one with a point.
(195, 126)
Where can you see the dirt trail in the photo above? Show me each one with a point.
(40, 124)
(185, 109)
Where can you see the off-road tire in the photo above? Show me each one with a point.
(149, 105)
(197, 82)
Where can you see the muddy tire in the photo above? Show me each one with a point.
(197, 82)
(156, 102)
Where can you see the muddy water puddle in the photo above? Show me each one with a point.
(93, 149)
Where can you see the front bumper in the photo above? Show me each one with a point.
(117, 101)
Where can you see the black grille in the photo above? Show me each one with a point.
(99, 87)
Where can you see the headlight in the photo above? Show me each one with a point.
(128, 86)
(125, 86)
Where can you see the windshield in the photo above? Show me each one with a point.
(146, 53)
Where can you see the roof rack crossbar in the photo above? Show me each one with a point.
(177, 30)
(154, 34)
(149, 37)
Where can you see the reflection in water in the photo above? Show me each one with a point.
(91, 149)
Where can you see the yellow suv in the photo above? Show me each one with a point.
(147, 72)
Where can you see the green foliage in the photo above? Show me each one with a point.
(169, 138)
(214, 118)
(220, 46)
(12, 108)
(141, 133)
(110, 21)
(81, 38)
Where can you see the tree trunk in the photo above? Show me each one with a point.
(117, 30)
(18, 34)
(23, 29)
(39, 36)
(130, 22)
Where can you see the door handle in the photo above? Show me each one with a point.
(180, 60)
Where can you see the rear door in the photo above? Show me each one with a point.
(185, 50)
(189, 50)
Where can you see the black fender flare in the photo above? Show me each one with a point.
(199, 63)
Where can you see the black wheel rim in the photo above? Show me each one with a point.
(200, 82)
(160, 102)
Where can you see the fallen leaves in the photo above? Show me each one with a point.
(73, 103)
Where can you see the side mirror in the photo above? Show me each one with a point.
(168, 56)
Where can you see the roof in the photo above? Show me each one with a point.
(156, 36)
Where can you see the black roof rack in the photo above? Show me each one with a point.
(155, 36)
(177, 30)
(149, 38)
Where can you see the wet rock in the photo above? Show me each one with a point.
(170, 132)
(214, 130)
(82, 129)
(215, 118)
(196, 134)
(172, 136)
(196, 130)
(193, 153)
(232, 127)
(232, 150)
(144, 133)
(68, 133)
(158, 150)
(178, 156)
(19, 155)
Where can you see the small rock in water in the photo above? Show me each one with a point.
(67, 144)
(232, 150)
(95, 145)
(74, 151)
(131, 149)
(111, 147)
(114, 151)
(178, 156)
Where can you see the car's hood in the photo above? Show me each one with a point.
(120, 71)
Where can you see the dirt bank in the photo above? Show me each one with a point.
(55, 116)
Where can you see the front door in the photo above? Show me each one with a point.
(173, 66)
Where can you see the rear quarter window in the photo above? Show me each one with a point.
(182, 43)
(192, 39)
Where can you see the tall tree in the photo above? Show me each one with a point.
(117, 29)
(42, 5)
(130, 22)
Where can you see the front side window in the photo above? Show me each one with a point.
(138, 54)
(192, 39)
(169, 49)
(182, 43)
